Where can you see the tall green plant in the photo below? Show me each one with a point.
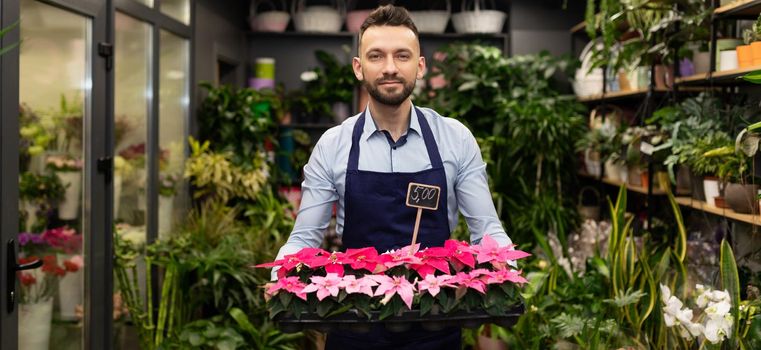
(239, 121)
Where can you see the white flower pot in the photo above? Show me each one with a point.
(117, 193)
(31, 214)
(34, 325)
(612, 170)
(70, 290)
(166, 204)
(711, 189)
(68, 209)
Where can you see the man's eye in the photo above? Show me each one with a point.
(374, 57)
(403, 57)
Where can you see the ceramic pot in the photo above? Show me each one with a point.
(702, 61)
(683, 181)
(698, 192)
(728, 60)
(745, 56)
(34, 322)
(70, 290)
(612, 170)
(755, 49)
(742, 198)
(711, 190)
(68, 208)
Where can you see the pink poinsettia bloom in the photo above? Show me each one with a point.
(364, 258)
(460, 253)
(401, 256)
(290, 261)
(431, 259)
(361, 285)
(324, 286)
(333, 262)
(396, 285)
(433, 283)
(500, 276)
(488, 250)
(289, 284)
(464, 279)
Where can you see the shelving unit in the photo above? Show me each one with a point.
(739, 9)
(619, 95)
(725, 212)
(630, 187)
(728, 77)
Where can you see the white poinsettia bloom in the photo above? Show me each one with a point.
(308, 76)
(665, 294)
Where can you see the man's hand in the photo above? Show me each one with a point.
(268, 296)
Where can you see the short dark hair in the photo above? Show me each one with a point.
(388, 15)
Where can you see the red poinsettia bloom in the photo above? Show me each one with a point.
(460, 253)
(431, 259)
(333, 262)
(290, 261)
(364, 258)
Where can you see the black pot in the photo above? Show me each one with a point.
(742, 198)
(697, 186)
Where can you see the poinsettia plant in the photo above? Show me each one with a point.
(455, 277)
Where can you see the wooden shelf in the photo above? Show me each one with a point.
(739, 9)
(725, 212)
(617, 95)
(630, 187)
(727, 77)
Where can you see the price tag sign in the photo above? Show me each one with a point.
(423, 196)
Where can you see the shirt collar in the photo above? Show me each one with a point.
(370, 128)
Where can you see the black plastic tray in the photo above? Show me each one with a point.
(353, 321)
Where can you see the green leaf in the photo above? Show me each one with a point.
(426, 303)
(753, 77)
(470, 85)
(731, 283)
(195, 339)
(324, 307)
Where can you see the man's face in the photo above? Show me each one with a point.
(389, 63)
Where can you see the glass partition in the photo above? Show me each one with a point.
(55, 86)
(174, 81)
(177, 9)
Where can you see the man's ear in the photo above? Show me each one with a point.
(356, 64)
(421, 67)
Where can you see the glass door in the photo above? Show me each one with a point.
(64, 177)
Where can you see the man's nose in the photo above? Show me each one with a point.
(390, 67)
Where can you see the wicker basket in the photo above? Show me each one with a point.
(478, 20)
(270, 21)
(317, 18)
(586, 82)
(432, 21)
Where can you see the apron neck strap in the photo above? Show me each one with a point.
(430, 142)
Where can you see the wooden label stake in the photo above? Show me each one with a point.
(421, 196)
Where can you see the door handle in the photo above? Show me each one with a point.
(11, 268)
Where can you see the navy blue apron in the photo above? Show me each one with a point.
(376, 216)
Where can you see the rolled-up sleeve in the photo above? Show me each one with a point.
(317, 198)
(474, 198)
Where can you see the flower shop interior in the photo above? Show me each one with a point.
(153, 154)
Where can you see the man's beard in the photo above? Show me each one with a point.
(392, 99)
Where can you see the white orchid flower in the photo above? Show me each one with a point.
(665, 293)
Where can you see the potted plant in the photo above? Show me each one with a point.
(38, 286)
(705, 157)
(37, 194)
(167, 190)
(68, 169)
(328, 90)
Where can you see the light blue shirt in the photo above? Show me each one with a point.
(325, 176)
